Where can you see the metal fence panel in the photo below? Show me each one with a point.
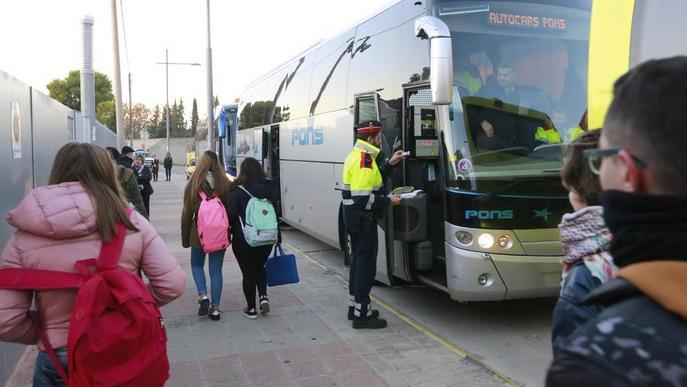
(16, 173)
(33, 127)
(51, 130)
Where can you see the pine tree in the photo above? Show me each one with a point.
(182, 124)
(156, 123)
(194, 118)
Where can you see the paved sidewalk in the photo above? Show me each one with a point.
(306, 340)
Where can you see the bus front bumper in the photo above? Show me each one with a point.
(477, 276)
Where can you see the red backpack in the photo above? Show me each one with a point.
(116, 333)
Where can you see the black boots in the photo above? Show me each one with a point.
(351, 316)
(369, 322)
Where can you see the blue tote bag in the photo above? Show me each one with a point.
(281, 268)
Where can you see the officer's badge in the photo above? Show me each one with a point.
(365, 160)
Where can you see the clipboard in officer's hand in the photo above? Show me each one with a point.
(281, 268)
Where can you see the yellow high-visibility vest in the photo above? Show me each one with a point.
(362, 179)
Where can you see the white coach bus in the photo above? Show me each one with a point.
(435, 74)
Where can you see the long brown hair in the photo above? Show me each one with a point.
(249, 170)
(209, 163)
(92, 166)
(576, 174)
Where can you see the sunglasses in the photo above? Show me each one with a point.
(596, 156)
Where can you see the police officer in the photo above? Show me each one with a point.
(364, 202)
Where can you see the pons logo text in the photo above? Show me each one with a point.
(307, 136)
(489, 214)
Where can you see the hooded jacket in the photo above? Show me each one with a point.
(56, 226)
(129, 185)
(640, 338)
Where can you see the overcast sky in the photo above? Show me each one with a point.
(40, 40)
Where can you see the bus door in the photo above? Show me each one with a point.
(418, 220)
(367, 108)
(272, 165)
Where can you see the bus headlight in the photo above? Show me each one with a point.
(485, 241)
(464, 238)
(505, 242)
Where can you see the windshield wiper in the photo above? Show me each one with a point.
(506, 187)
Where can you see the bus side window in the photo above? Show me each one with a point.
(366, 110)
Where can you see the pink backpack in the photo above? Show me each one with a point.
(212, 224)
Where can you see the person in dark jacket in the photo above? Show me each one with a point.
(143, 176)
(640, 338)
(156, 167)
(167, 163)
(129, 184)
(127, 157)
(251, 259)
(585, 238)
(210, 178)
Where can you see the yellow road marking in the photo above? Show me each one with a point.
(416, 324)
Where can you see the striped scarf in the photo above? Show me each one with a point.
(586, 238)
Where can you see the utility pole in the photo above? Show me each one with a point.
(167, 63)
(167, 95)
(131, 121)
(117, 78)
(211, 100)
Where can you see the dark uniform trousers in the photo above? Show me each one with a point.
(363, 266)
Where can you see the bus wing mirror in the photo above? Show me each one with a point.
(440, 59)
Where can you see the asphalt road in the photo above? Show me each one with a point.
(512, 337)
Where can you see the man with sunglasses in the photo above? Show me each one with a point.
(640, 338)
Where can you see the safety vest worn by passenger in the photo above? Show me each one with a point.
(362, 179)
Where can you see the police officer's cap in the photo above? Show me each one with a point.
(369, 127)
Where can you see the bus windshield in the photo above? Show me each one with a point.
(520, 81)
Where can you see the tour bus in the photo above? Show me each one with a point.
(484, 95)
(226, 117)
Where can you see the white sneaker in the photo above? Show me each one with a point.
(264, 305)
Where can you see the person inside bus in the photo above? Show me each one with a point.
(467, 76)
(640, 338)
(493, 128)
(585, 239)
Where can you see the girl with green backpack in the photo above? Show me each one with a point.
(254, 231)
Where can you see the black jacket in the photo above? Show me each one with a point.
(569, 313)
(167, 163)
(143, 176)
(238, 200)
(126, 162)
(633, 342)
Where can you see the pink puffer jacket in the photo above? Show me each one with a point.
(56, 227)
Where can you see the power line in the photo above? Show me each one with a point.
(126, 46)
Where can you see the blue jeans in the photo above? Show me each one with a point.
(44, 375)
(215, 266)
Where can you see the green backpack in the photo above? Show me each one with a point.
(260, 227)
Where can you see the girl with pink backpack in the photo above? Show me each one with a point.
(205, 229)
